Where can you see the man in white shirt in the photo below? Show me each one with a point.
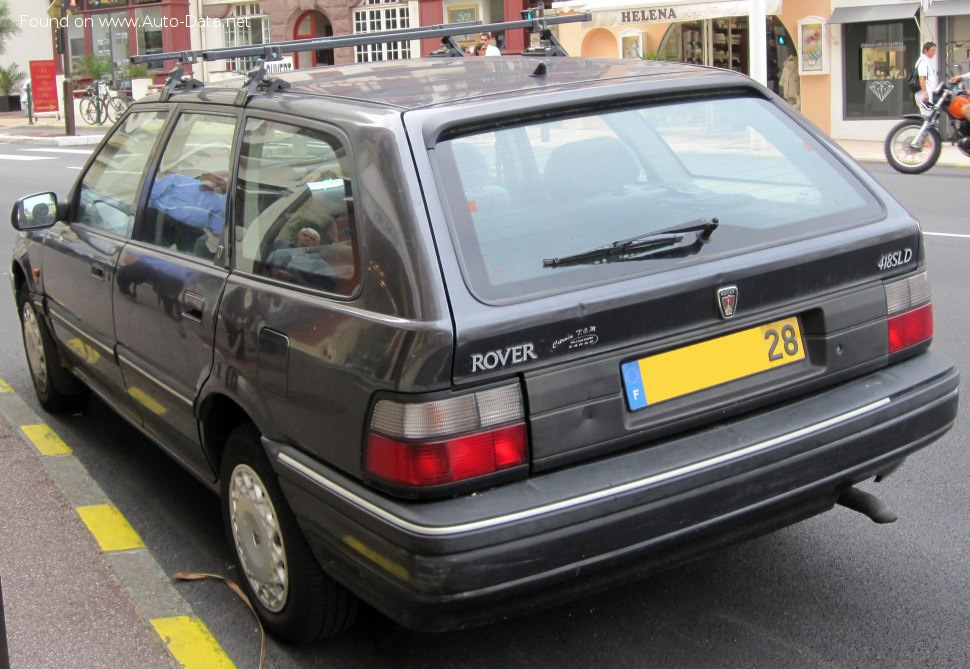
(928, 78)
(490, 49)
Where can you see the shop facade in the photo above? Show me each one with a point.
(709, 33)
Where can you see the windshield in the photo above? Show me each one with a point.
(519, 196)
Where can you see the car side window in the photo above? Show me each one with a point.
(295, 216)
(187, 199)
(109, 188)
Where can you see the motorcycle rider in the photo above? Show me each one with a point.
(928, 78)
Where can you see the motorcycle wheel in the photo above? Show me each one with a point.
(903, 157)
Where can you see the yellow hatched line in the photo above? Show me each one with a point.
(110, 528)
(191, 643)
(44, 439)
(5, 387)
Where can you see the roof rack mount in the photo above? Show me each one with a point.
(275, 50)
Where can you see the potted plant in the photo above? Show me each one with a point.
(93, 67)
(140, 80)
(11, 77)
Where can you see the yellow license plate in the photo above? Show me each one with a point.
(686, 370)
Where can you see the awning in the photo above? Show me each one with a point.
(870, 13)
(948, 8)
(620, 12)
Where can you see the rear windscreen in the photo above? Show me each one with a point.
(544, 207)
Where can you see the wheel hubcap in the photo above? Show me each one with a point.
(34, 344)
(259, 541)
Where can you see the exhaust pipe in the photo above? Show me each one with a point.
(867, 504)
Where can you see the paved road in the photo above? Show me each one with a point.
(834, 591)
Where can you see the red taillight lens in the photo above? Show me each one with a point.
(431, 442)
(910, 311)
(911, 327)
(447, 461)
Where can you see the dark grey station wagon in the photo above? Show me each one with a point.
(463, 337)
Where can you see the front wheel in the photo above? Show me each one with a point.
(89, 111)
(115, 108)
(56, 388)
(904, 157)
(291, 594)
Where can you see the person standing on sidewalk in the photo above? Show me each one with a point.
(929, 79)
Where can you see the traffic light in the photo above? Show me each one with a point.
(59, 40)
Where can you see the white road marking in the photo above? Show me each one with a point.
(945, 234)
(6, 157)
(81, 151)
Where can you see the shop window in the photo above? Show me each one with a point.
(877, 58)
(149, 34)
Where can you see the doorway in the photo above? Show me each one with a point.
(310, 25)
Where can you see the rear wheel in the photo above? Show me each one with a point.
(55, 387)
(291, 594)
(903, 156)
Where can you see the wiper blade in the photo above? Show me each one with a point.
(644, 246)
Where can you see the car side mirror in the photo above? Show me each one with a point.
(35, 212)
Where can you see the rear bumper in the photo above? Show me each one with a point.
(452, 563)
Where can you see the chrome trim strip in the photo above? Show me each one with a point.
(154, 379)
(437, 531)
(69, 325)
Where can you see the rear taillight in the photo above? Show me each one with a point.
(419, 444)
(910, 312)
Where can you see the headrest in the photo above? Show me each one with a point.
(588, 168)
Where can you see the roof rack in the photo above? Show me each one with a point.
(256, 79)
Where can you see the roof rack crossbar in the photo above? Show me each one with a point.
(340, 41)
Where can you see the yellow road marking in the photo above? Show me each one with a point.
(44, 440)
(191, 643)
(110, 528)
(5, 387)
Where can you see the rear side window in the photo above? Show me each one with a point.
(109, 189)
(187, 200)
(295, 216)
(520, 197)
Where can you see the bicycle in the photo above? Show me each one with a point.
(99, 106)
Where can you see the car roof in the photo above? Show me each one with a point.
(423, 82)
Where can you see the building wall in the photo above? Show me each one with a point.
(34, 40)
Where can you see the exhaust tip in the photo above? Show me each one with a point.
(867, 504)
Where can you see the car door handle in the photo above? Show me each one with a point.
(99, 270)
(193, 306)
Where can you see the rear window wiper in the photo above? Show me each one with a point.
(654, 245)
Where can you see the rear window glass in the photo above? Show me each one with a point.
(520, 197)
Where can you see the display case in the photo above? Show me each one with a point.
(730, 44)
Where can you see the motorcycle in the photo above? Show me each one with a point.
(914, 145)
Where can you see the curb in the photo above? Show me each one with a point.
(52, 140)
(153, 594)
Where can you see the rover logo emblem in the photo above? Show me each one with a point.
(727, 300)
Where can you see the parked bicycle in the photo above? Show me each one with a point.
(98, 105)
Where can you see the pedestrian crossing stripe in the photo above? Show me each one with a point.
(110, 528)
(191, 643)
(44, 439)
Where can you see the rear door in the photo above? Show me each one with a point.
(81, 255)
(170, 280)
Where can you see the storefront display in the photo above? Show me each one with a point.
(877, 58)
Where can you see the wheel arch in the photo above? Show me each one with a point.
(219, 416)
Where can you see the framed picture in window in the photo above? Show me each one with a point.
(813, 48)
(462, 13)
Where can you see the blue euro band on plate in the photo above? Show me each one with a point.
(636, 396)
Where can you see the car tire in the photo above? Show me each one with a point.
(56, 388)
(291, 594)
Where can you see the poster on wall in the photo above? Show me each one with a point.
(812, 46)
